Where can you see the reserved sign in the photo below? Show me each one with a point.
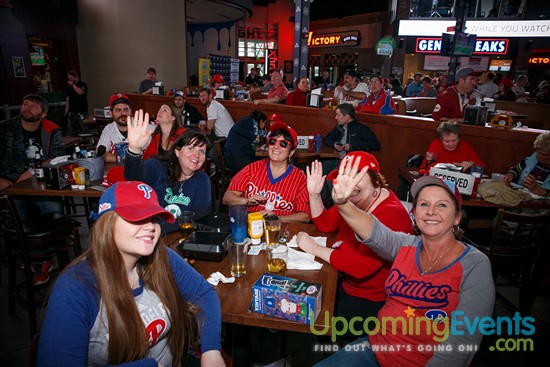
(464, 182)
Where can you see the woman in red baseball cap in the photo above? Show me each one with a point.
(361, 286)
(129, 299)
(273, 185)
(505, 92)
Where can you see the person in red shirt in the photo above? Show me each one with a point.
(167, 130)
(361, 286)
(298, 97)
(278, 92)
(448, 148)
(451, 104)
(378, 101)
(273, 185)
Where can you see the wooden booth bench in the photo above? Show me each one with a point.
(399, 135)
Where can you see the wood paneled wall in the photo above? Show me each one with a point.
(399, 135)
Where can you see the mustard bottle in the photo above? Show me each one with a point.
(255, 227)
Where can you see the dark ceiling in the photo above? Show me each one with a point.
(326, 9)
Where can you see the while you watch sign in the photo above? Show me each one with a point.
(334, 39)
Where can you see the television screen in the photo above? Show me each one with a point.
(500, 65)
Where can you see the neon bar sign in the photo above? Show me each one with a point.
(484, 46)
(539, 60)
(335, 39)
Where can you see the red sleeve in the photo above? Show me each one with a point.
(328, 221)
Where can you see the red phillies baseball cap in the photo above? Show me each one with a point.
(367, 160)
(218, 78)
(507, 82)
(133, 201)
(118, 98)
(436, 181)
(281, 125)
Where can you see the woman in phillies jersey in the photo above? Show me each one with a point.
(273, 185)
(129, 299)
(435, 287)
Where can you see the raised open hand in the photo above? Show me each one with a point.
(138, 132)
(315, 178)
(347, 179)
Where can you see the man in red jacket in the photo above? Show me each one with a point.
(451, 104)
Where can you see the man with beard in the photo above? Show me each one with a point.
(353, 90)
(116, 131)
(23, 138)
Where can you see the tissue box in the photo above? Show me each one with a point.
(104, 112)
(57, 175)
(287, 298)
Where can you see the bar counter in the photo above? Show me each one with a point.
(399, 135)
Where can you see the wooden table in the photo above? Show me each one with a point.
(408, 174)
(235, 297)
(70, 141)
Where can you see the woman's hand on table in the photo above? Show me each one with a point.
(315, 178)
(306, 243)
(138, 132)
(466, 164)
(508, 179)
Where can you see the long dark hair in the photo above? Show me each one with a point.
(177, 122)
(190, 137)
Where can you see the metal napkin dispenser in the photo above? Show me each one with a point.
(314, 100)
(475, 115)
(158, 88)
(207, 246)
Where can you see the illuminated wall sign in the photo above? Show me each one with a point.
(484, 46)
(272, 59)
(335, 39)
(539, 60)
(482, 28)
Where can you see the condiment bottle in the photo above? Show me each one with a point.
(38, 170)
(255, 227)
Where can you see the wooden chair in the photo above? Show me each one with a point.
(30, 242)
(514, 248)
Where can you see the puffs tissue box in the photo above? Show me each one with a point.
(287, 298)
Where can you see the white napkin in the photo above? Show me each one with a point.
(302, 260)
(321, 241)
(216, 277)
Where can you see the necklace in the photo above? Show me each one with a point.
(436, 261)
(374, 202)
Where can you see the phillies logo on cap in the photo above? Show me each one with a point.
(146, 190)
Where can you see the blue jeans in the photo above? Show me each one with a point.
(358, 353)
(34, 207)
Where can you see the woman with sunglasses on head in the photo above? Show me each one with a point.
(179, 183)
(129, 300)
(273, 185)
(169, 127)
(436, 283)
